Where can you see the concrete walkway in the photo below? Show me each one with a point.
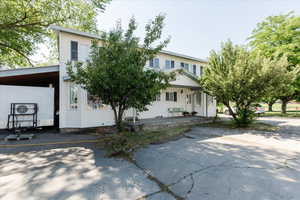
(209, 164)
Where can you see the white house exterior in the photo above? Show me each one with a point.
(77, 109)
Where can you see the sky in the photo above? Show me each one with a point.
(197, 26)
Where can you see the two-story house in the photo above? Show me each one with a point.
(78, 109)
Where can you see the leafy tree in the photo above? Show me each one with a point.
(270, 99)
(277, 36)
(115, 72)
(23, 24)
(233, 76)
(280, 91)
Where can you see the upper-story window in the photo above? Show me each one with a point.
(154, 63)
(185, 66)
(170, 64)
(74, 50)
(194, 69)
(201, 70)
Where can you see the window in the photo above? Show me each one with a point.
(186, 66)
(94, 102)
(170, 64)
(194, 69)
(201, 70)
(182, 65)
(74, 50)
(154, 62)
(198, 98)
(73, 97)
(171, 96)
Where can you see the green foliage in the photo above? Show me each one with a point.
(115, 71)
(23, 24)
(234, 76)
(279, 36)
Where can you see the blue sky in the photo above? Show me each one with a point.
(197, 26)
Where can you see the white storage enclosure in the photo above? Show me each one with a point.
(42, 96)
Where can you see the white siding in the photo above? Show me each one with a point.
(86, 117)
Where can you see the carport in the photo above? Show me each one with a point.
(47, 76)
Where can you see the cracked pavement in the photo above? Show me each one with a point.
(210, 164)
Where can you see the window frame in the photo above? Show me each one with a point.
(98, 106)
(171, 96)
(74, 52)
(194, 69)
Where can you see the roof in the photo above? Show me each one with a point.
(80, 33)
(29, 70)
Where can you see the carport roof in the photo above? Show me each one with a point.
(29, 70)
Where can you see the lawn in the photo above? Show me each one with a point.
(279, 114)
(293, 110)
(256, 125)
(277, 107)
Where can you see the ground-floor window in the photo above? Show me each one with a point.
(94, 102)
(171, 96)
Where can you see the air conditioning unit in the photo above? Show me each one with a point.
(24, 108)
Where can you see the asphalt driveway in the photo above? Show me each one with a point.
(209, 163)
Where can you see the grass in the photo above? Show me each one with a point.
(277, 107)
(124, 144)
(259, 126)
(279, 114)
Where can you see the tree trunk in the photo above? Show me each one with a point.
(284, 107)
(270, 105)
(230, 111)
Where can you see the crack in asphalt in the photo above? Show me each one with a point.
(166, 187)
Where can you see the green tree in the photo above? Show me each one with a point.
(277, 36)
(280, 90)
(24, 23)
(233, 76)
(270, 99)
(115, 71)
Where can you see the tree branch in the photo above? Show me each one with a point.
(18, 51)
